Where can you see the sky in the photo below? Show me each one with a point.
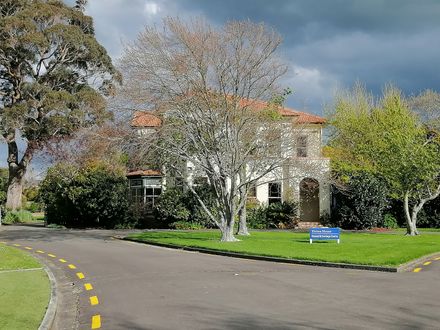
(328, 44)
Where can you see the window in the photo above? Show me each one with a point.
(301, 146)
(146, 190)
(252, 192)
(274, 192)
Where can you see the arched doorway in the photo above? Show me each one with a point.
(309, 200)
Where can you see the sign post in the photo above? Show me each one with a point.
(325, 234)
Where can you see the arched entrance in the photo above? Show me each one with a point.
(309, 200)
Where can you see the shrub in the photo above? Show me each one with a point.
(176, 205)
(171, 208)
(95, 196)
(429, 216)
(362, 205)
(389, 221)
(34, 207)
(10, 218)
(20, 216)
(276, 215)
(186, 225)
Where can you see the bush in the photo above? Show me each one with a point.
(95, 196)
(21, 216)
(429, 216)
(389, 221)
(34, 207)
(186, 225)
(176, 206)
(362, 206)
(276, 215)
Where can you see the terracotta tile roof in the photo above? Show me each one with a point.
(302, 117)
(144, 173)
(145, 119)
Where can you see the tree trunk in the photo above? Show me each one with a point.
(15, 191)
(17, 170)
(411, 229)
(228, 233)
(242, 224)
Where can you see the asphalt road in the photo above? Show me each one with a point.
(144, 287)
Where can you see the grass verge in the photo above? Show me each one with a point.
(355, 248)
(24, 295)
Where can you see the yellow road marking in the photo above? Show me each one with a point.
(3, 242)
(72, 266)
(40, 251)
(88, 286)
(416, 270)
(438, 258)
(62, 260)
(80, 275)
(94, 300)
(51, 255)
(427, 263)
(96, 321)
(28, 248)
(16, 244)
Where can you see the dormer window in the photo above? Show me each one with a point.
(301, 146)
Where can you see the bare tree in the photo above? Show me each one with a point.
(216, 91)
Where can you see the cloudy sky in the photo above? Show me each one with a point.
(329, 43)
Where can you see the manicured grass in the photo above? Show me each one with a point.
(24, 295)
(355, 248)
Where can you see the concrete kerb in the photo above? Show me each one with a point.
(416, 262)
(51, 310)
(271, 259)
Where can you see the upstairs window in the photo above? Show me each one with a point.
(301, 146)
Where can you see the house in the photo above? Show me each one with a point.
(304, 177)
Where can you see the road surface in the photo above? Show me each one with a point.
(136, 286)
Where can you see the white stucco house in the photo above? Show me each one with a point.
(304, 176)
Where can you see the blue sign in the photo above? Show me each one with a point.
(324, 234)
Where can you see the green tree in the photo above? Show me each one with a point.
(53, 79)
(385, 137)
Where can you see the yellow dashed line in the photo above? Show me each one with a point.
(62, 260)
(72, 266)
(80, 275)
(40, 251)
(88, 286)
(438, 258)
(28, 248)
(16, 244)
(96, 321)
(3, 242)
(94, 300)
(427, 263)
(51, 255)
(416, 270)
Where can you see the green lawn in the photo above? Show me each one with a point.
(24, 295)
(356, 248)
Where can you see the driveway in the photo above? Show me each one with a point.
(144, 287)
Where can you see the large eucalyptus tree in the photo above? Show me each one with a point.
(53, 79)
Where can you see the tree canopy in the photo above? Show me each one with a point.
(53, 78)
(385, 136)
(207, 84)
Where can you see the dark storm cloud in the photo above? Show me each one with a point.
(332, 44)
